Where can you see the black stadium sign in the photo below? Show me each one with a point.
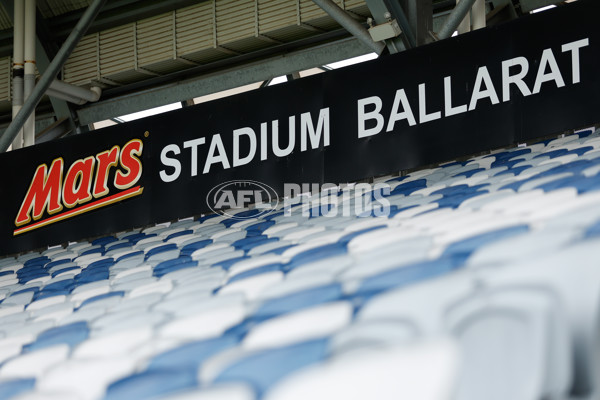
(535, 76)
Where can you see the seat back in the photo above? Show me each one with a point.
(575, 276)
(514, 343)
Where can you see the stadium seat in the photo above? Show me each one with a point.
(424, 371)
(262, 369)
(562, 272)
(218, 392)
(514, 343)
(481, 283)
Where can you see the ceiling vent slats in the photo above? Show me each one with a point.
(52, 8)
(313, 15)
(205, 32)
(194, 29)
(274, 15)
(5, 81)
(236, 20)
(82, 67)
(350, 4)
(117, 50)
(357, 7)
(155, 39)
(5, 20)
(309, 10)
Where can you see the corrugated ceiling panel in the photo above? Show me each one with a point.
(325, 24)
(236, 19)
(276, 14)
(289, 33)
(5, 20)
(309, 10)
(117, 50)
(248, 45)
(350, 4)
(160, 44)
(195, 30)
(207, 56)
(358, 7)
(166, 67)
(313, 15)
(124, 77)
(5, 81)
(82, 65)
(52, 8)
(156, 39)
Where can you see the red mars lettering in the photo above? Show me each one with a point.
(85, 180)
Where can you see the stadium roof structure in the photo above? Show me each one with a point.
(149, 53)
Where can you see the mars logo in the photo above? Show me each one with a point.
(229, 197)
(51, 191)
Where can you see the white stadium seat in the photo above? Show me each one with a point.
(482, 282)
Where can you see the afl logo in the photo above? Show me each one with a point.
(230, 197)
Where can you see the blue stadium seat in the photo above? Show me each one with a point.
(462, 249)
(71, 334)
(255, 271)
(11, 388)
(297, 301)
(265, 368)
(405, 275)
(316, 253)
(161, 249)
(177, 234)
(191, 355)
(152, 383)
(102, 297)
(187, 250)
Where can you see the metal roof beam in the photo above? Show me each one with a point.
(350, 24)
(455, 18)
(398, 14)
(46, 50)
(53, 69)
(382, 14)
(415, 17)
(420, 19)
(223, 80)
(61, 108)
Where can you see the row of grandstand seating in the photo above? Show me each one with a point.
(483, 282)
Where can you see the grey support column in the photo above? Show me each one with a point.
(29, 78)
(53, 69)
(455, 18)
(350, 24)
(420, 19)
(18, 61)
